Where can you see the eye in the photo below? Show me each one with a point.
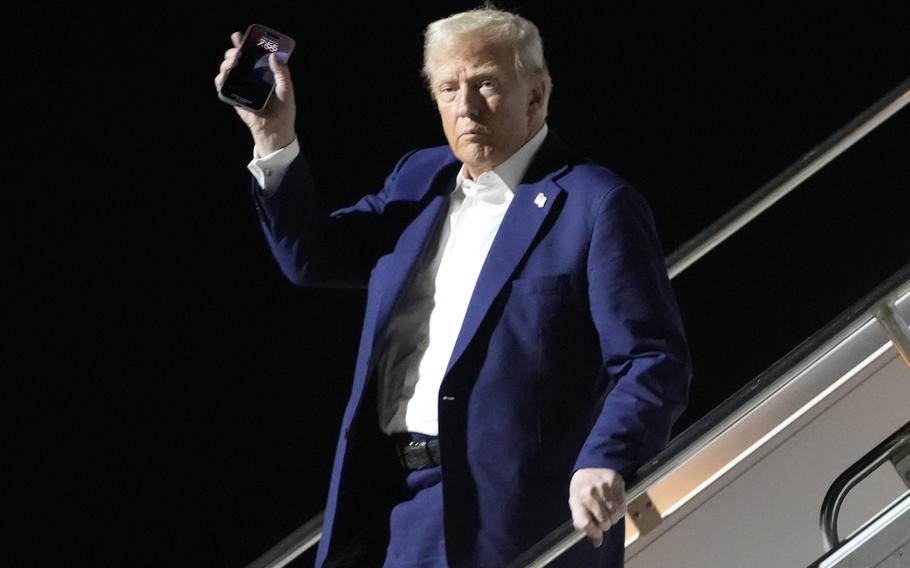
(488, 85)
(446, 91)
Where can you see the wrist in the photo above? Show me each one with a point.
(266, 143)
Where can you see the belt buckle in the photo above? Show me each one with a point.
(409, 455)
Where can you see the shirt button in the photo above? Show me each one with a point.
(267, 172)
(423, 342)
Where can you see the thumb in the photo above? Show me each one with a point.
(279, 68)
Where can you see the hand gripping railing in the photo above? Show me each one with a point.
(895, 449)
(565, 536)
(562, 538)
(879, 303)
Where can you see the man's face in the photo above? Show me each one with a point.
(487, 111)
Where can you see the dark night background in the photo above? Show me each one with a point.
(181, 400)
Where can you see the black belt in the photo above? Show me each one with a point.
(417, 454)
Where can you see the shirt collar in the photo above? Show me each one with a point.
(506, 175)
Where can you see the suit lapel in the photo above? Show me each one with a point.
(413, 242)
(520, 225)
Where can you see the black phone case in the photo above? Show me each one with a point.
(250, 84)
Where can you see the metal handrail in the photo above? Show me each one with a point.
(892, 512)
(894, 449)
(563, 537)
(293, 545)
(801, 170)
(763, 387)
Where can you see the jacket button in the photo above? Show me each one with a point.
(448, 398)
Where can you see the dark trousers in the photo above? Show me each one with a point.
(416, 531)
(406, 532)
(415, 523)
(409, 534)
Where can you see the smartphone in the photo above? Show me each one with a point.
(250, 83)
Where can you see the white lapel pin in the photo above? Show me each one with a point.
(540, 200)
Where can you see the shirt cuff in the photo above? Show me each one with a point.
(269, 170)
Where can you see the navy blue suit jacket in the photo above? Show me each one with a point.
(571, 354)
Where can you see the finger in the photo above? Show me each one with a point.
(599, 509)
(231, 53)
(236, 38)
(620, 512)
(583, 521)
(614, 511)
(283, 85)
(619, 502)
(227, 65)
(608, 506)
(616, 514)
(619, 487)
(594, 532)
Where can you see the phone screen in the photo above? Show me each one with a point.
(250, 82)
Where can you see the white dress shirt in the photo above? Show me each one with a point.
(269, 170)
(422, 332)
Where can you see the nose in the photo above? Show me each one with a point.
(467, 103)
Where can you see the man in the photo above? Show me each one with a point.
(521, 351)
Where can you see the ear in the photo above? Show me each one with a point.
(537, 100)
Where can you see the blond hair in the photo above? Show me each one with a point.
(487, 23)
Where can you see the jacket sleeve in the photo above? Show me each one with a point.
(314, 246)
(641, 337)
